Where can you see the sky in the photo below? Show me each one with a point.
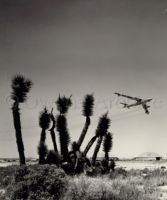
(79, 47)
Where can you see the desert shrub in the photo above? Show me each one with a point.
(119, 172)
(6, 181)
(94, 171)
(145, 170)
(37, 182)
(105, 166)
(134, 172)
(6, 175)
(53, 158)
(21, 173)
(112, 165)
(156, 177)
(2, 196)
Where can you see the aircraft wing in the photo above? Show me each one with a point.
(129, 97)
(145, 107)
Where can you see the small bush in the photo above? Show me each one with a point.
(37, 183)
(53, 158)
(119, 172)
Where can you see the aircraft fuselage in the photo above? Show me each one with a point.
(142, 102)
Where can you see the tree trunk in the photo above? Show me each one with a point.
(41, 160)
(18, 133)
(42, 152)
(52, 133)
(42, 141)
(91, 142)
(106, 156)
(63, 136)
(84, 131)
(43, 136)
(64, 152)
(96, 150)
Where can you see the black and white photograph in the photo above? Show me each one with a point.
(83, 100)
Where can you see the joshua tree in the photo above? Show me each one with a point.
(103, 124)
(44, 122)
(107, 145)
(20, 88)
(52, 132)
(88, 104)
(63, 105)
(101, 131)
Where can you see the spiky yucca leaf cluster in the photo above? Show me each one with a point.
(103, 125)
(88, 104)
(44, 119)
(20, 87)
(61, 126)
(107, 143)
(63, 104)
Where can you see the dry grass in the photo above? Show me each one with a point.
(131, 185)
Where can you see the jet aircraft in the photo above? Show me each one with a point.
(139, 101)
